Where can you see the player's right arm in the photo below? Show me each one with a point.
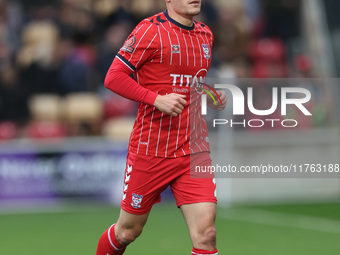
(119, 81)
(142, 43)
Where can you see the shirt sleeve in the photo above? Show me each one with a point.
(139, 46)
(119, 81)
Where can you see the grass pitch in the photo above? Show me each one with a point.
(312, 229)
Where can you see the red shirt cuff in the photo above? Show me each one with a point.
(150, 97)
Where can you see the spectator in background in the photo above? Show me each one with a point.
(66, 19)
(10, 25)
(78, 56)
(210, 12)
(142, 9)
(77, 68)
(281, 18)
(13, 97)
(110, 45)
(73, 69)
(109, 13)
(253, 9)
(35, 57)
(232, 32)
(73, 18)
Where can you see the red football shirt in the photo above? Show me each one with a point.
(167, 57)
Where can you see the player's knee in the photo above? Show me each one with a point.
(206, 237)
(210, 235)
(127, 236)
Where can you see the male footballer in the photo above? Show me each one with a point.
(167, 53)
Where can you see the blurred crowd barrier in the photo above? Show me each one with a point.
(54, 56)
(49, 174)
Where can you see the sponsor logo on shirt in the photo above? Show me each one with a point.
(186, 80)
(180, 90)
(175, 48)
(206, 51)
(128, 46)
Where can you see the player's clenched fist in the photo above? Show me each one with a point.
(171, 104)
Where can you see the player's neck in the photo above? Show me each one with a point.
(187, 20)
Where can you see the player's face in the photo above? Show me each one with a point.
(185, 8)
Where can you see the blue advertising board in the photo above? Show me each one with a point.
(74, 168)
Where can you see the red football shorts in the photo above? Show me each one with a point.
(146, 177)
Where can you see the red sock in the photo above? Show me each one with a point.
(202, 252)
(108, 243)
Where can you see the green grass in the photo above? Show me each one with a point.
(329, 211)
(77, 231)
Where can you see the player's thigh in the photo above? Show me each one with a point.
(199, 216)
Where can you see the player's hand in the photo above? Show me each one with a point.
(223, 97)
(171, 104)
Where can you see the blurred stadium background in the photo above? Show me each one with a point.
(63, 136)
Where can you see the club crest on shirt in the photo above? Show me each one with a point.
(136, 201)
(206, 51)
(175, 48)
(128, 46)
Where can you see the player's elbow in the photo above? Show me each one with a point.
(108, 81)
(111, 81)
